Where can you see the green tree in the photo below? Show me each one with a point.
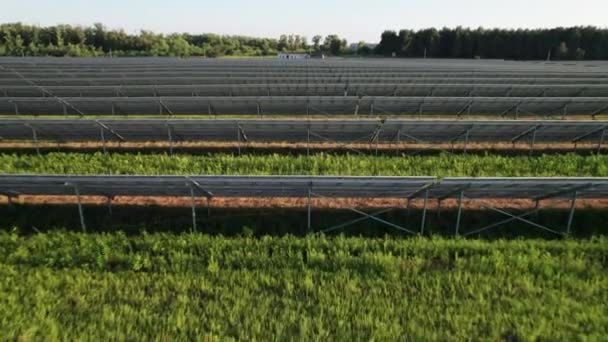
(334, 44)
(316, 41)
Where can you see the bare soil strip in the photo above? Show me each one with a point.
(300, 203)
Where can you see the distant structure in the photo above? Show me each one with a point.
(282, 55)
(355, 46)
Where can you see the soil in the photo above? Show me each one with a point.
(293, 203)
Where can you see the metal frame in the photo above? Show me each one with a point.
(340, 132)
(329, 188)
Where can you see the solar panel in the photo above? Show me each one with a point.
(532, 188)
(262, 130)
(217, 186)
(299, 186)
(304, 104)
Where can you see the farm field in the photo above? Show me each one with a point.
(70, 286)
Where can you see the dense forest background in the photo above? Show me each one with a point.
(574, 43)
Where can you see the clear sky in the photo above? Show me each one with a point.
(353, 19)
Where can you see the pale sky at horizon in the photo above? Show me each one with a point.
(354, 20)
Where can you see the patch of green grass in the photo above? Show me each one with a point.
(173, 287)
(568, 165)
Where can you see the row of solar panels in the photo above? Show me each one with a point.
(313, 80)
(304, 105)
(330, 62)
(299, 131)
(300, 186)
(287, 73)
(340, 89)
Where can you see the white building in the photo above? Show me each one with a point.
(282, 55)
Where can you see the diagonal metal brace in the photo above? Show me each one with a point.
(242, 133)
(114, 133)
(599, 111)
(461, 134)
(160, 102)
(193, 183)
(534, 224)
(360, 219)
(526, 132)
(373, 217)
(586, 135)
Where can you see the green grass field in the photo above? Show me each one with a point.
(178, 287)
(566, 165)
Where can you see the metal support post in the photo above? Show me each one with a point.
(308, 142)
(103, 140)
(466, 141)
(170, 136)
(571, 215)
(109, 203)
(398, 142)
(533, 142)
(35, 138)
(309, 217)
(377, 142)
(458, 217)
(599, 145)
(9, 199)
(423, 223)
(238, 138)
(438, 209)
(193, 209)
(80, 211)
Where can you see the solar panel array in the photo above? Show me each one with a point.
(319, 105)
(300, 187)
(31, 86)
(377, 87)
(299, 131)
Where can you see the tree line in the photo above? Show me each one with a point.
(574, 43)
(65, 40)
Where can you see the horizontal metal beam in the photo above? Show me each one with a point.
(565, 192)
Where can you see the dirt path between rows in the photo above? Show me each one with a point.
(293, 203)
